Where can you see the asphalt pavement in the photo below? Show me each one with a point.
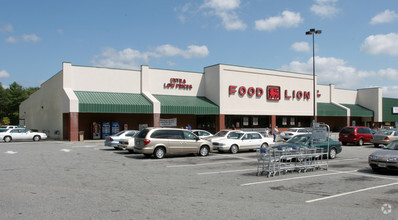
(86, 180)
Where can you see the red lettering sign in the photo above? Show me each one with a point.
(242, 90)
(251, 91)
(273, 93)
(232, 90)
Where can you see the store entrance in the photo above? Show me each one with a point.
(241, 122)
(206, 122)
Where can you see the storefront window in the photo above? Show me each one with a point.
(284, 121)
(255, 121)
(245, 121)
(294, 121)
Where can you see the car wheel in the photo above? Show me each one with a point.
(376, 145)
(234, 149)
(204, 151)
(332, 153)
(264, 145)
(7, 139)
(36, 138)
(360, 142)
(344, 143)
(159, 152)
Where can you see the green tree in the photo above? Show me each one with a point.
(5, 121)
(11, 98)
(2, 101)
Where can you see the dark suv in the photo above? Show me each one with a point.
(161, 141)
(355, 134)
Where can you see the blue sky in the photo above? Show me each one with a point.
(358, 47)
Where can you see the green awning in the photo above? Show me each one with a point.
(388, 113)
(109, 102)
(186, 105)
(329, 109)
(359, 111)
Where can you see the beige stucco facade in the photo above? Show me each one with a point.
(236, 90)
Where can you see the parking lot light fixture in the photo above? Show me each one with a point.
(312, 32)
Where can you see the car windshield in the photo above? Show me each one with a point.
(385, 132)
(120, 133)
(221, 133)
(235, 135)
(3, 129)
(299, 139)
(348, 130)
(392, 146)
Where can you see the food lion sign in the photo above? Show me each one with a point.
(274, 93)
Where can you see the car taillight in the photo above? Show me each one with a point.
(147, 141)
(111, 139)
(387, 138)
(290, 134)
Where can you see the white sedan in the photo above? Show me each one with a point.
(240, 140)
(19, 134)
(291, 132)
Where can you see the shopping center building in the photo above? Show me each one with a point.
(97, 101)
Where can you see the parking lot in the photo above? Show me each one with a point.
(86, 180)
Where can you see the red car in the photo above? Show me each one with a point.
(355, 134)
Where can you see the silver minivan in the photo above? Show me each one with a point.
(161, 141)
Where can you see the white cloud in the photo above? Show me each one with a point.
(287, 19)
(6, 28)
(168, 50)
(388, 74)
(30, 38)
(331, 70)
(384, 17)
(390, 91)
(225, 9)
(11, 40)
(4, 74)
(301, 47)
(132, 59)
(381, 44)
(325, 8)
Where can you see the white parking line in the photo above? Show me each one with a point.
(352, 192)
(294, 178)
(375, 176)
(10, 152)
(202, 164)
(226, 171)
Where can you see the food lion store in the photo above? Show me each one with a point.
(79, 99)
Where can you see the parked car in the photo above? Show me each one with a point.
(355, 134)
(305, 141)
(241, 140)
(3, 129)
(291, 132)
(386, 158)
(384, 137)
(9, 126)
(113, 141)
(202, 133)
(20, 134)
(128, 142)
(163, 141)
(221, 134)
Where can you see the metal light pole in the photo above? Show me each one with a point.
(313, 32)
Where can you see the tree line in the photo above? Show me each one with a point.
(10, 99)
